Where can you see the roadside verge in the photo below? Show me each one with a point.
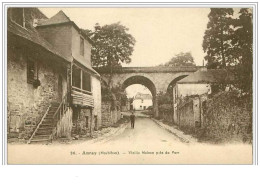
(179, 134)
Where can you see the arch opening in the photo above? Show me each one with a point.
(173, 83)
(141, 98)
(141, 80)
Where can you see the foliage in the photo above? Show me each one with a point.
(228, 43)
(115, 95)
(131, 99)
(119, 93)
(164, 98)
(107, 94)
(242, 41)
(181, 59)
(113, 45)
(165, 102)
(216, 42)
(166, 107)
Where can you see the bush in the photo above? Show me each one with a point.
(166, 108)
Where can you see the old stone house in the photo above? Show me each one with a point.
(203, 81)
(211, 108)
(52, 88)
(142, 101)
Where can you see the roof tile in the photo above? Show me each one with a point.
(59, 18)
(207, 76)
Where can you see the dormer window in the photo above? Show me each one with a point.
(17, 16)
(81, 46)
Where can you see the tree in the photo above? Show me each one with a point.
(216, 42)
(181, 59)
(164, 98)
(242, 41)
(113, 45)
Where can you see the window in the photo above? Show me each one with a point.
(86, 83)
(81, 79)
(32, 71)
(76, 80)
(81, 46)
(17, 15)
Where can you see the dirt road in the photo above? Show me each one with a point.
(147, 143)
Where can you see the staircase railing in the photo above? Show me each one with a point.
(39, 124)
(61, 110)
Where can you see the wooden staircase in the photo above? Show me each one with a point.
(43, 131)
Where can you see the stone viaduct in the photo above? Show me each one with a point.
(156, 79)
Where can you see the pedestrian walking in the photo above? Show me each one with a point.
(132, 119)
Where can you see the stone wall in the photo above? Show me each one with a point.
(228, 117)
(186, 115)
(60, 36)
(83, 121)
(110, 115)
(225, 117)
(166, 116)
(26, 103)
(96, 90)
(166, 112)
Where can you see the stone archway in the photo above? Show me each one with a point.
(137, 79)
(173, 83)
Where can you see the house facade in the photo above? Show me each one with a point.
(203, 81)
(142, 101)
(52, 88)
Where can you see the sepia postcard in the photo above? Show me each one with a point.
(129, 85)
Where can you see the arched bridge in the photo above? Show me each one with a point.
(156, 79)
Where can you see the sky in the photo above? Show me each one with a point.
(160, 33)
(132, 90)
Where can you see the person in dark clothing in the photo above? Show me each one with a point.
(132, 119)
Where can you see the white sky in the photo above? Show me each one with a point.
(160, 32)
(132, 90)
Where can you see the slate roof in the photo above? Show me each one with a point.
(207, 76)
(33, 36)
(142, 96)
(62, 18)
(59, 18)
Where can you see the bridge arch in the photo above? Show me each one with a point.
(156, 79)
(173, 83)
(142, 80)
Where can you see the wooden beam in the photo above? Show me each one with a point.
(81, 80)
